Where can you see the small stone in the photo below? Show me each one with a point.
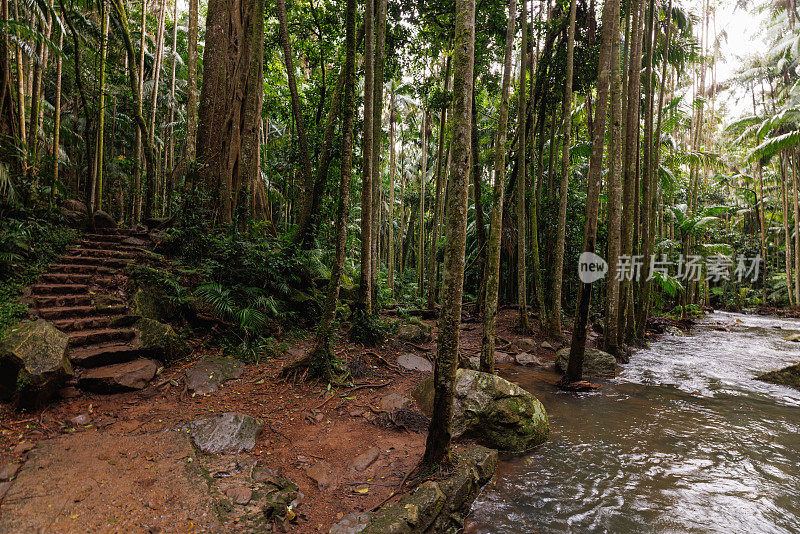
(547, 346)
(239, 495)
(502, 357)
(365, 459)
(206, 376)
(228, 432)
(524, 345)
(393, 402)
(524, 358)
(8, 472)
(352, 523)
(4, 486)
(80, 420)
(412, 362)
(126, 376)
(322, 473)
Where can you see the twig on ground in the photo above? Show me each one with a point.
(362, 386)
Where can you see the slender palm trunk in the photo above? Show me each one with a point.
(367, 202)
(433, 249)
(496, 224)
(57, 120)
(392, 170)
(566, 133)
(610, 28)
(522, 278)
(191, 82)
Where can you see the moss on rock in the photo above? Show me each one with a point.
(496, 412)
(159, 338)
(34, 362)
(788, 376)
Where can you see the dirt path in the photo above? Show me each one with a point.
(114, 462)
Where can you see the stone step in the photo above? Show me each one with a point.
(77, 259)
(128, 376)
(103, 253)
(100, 335)
(65, 312)
(75, 324)
(59, 289)
(66, 278)
(63, 301)
(56, 268)
(104, 354)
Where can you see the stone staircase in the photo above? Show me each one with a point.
(83, 295)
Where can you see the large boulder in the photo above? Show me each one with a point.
(494, 411)
(596, 363)
(104, 220)
(34, 363)
(161, 339)
(414, 333)
(788, 376)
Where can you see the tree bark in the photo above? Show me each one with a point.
(231, 100)
(437, 446)
(578, 345)
(563, 189)
(496, 223)
(434, 246)
(522, 278)
(365, 285)
(302, 136)
(379, 59)
(191, 82)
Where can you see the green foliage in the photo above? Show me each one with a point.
(369, 329)
(29, 242)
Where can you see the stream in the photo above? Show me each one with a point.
(683, 440)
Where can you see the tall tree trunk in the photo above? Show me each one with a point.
(477, 190)
(149, 152)
(97, 189)
(392, 170)
(611, 342)
(437, 446)
(150, 186)
(302, 137)
(422, 177)
(522, 279)
(191, 82)
(496, 224)
(57, 120)
(36, 98)
(168, 185)
(432, 252)
(631, 135)
(322, 357)
(563, 189)
(609, 30)
(21, 132)
(231, 100)
(379, 60)
(367, 202)
(136, 193)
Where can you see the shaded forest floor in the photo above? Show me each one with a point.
(309, 431)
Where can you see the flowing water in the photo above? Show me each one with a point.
(684, 440)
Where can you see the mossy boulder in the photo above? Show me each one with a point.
(494, 411)
(596, 363)
(160, 339)
(34, 363)
(149, 302)
(788, 376)
(414, 333)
